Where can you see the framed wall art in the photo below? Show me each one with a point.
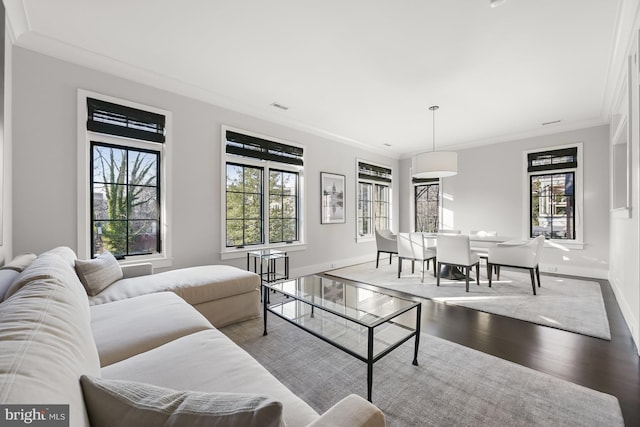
(332, 198)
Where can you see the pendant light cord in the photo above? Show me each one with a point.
(434, 108)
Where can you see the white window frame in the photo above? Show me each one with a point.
(298, 245)
(84, 136)
(371, 237)
(578, 242)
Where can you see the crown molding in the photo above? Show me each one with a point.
(22, 36)
(627, 25)
(547, 130)
(16, 19)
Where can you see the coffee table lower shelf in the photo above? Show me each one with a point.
(366, 338)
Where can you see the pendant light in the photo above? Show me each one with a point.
(435, 164)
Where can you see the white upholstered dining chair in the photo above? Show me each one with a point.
(518, 255)
(414, 247)
(482, 247)
(454, 250)
(386, 242)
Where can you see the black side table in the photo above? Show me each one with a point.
(268, 257)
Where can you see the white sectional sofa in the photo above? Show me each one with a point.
(59, 349)
(223, 294)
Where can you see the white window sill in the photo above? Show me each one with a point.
(563, 245)
(231, 253)
(157, 261)
(365, 239)
(624, 213)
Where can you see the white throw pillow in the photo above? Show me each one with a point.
(98, 273)
(127, 403)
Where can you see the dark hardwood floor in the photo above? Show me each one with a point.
(612, 367)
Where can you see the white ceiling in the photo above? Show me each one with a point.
(360, 71)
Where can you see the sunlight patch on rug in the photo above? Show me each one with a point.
(569, 304)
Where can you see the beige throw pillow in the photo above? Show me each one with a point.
(98, 273)
(127, 403)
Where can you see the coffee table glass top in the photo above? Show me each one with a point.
(365, 323)
(364, 306)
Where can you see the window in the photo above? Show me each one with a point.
(124, 156)
(381, 204)
(427, 205)
(365, 211)
(262, 191)
(283, 206)
(552, 189)
(244, 205)
(374, 199)
(125, 200)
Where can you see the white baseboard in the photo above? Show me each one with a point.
(594, 273)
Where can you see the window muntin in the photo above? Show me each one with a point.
(125, 200)
(374, 198)
(244, 190)
(365, 209)
(283, 206)
(553, 206)
(427, 207)
(381, 205)
(263, 202)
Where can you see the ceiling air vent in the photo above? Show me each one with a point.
(551, 123)
(280, 106)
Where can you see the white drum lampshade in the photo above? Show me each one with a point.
(436, 164)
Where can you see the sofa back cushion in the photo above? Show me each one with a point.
(7, 277)
(45, 336)
(57, 263)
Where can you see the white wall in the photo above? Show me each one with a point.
(624, 274)
(487, 194)
(44, 167)
(6, 247)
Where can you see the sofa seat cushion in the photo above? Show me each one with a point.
(195, 284)
(208, 361)
(129, 403)
(124, 328)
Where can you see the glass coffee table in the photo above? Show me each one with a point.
(364, 323)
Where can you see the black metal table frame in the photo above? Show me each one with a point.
(271, 273)
(370, 359)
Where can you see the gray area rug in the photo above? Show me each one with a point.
(568, 304)
(452, 386)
